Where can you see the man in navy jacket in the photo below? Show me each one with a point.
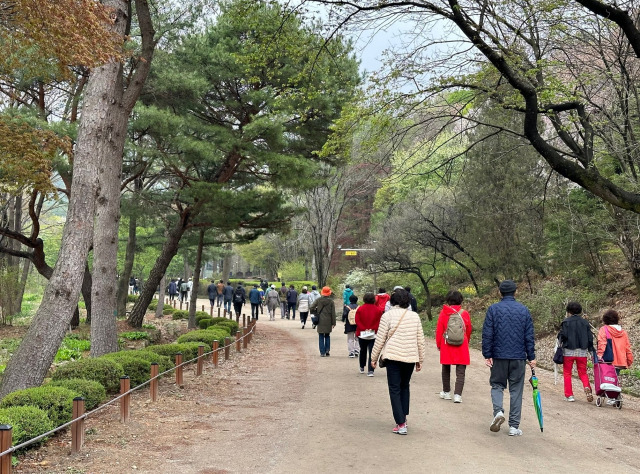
(507, 343)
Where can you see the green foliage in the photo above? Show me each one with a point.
(66, 354)
(134, 335)
(28, 422)
(133, 298)
(57, 402)
(201, 335)
(72, 348)
(164, 362)
(168, 309)
(107, 372)
(153, 305)
(149, 326)
(232, 325)
(180, 314)
(205, 323)
(292, 271)
(189, 350)
(219, 334)
(200, 315)
(93, 392)
(137, 368)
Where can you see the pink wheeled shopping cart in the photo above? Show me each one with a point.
(606, 384)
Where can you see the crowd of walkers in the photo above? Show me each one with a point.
(386, 330)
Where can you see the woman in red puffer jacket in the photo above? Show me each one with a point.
(367, 318)
(453, 355)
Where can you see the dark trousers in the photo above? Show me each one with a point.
(254, 310)
(398, 378)
(291, 308)
(238, 308)
(511, 372)
(303, 317)
(446, 378)
(366, 346)
(324, 341)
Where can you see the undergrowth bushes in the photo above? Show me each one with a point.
(105, 371)
(57, 402)
(93, 392)
(27, 422)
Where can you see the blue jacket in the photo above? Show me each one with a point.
(254, 296)
(507, 332)
(345, 296)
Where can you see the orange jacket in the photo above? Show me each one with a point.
(622, 355)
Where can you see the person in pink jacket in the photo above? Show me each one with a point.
(622, 355)
(453, 355)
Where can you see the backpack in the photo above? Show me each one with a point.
(352, 316)
(237, 297)
(454, 335)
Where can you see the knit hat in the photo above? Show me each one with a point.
(507, 287)
(326, 291)
(273, 287)
(304, 287)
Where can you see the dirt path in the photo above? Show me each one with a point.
(279, 407)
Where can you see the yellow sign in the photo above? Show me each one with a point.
(350, 252)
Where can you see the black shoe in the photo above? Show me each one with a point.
(327, 354)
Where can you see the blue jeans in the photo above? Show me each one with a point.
(227, 305)
(325, 343)
(219, 299)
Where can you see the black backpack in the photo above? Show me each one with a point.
(237, 297)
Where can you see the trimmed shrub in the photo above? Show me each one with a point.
(57, 402)
(201, 315)
(168, 309)
(205, 323)
(93, 392)
(180, 314)
(164, 362)
(201, 335)
(189, 350)
(136, 367)
(222, 328)
(27, 422)
(132, 298)
(153, 305)
(232, 325)
(107, 372)
(216, 320)
(219, 334)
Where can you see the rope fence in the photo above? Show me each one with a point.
(242, 337)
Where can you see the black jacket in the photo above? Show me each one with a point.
(575, 333)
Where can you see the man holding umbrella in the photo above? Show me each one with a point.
(507, 343)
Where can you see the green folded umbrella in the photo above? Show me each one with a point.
(537, 403)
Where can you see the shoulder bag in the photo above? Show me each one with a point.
(382, 362)
(607, 355)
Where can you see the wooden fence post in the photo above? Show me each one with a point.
(245, 337)
(219, 311)
(5, 443)
(211, 311)
(153, 386)
(238, 340)
(125, 402)
(244, 320)
(179, 378)
(200, 360)
(187, 303)
(215, 354)
(237, 319)
(180, 305)
(203, 308)
(77, 428)
(227, 348)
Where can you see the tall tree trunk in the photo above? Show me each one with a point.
(187, 270)
(63, 289)
(23, 283)
(226, 263)
(196, 282)
(160, 306)
(169, 250)
(86, 291)
(123, 282)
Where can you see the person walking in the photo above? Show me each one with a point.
(507, 343)
(220, 293)
(239, 299)
(173, 289)
(346, 294)
(367, 321)
(255, 299)
(273, 301)
(184, 289)
(576, 340)
(453, 354)
(212, 292)
(262, 295)
(412, 299)
(622, 355)
(189, 288)
(350, 329)
(400, 339)
(292, 301)
(313, 294)
(325, 308)
(282, 293)
(382, 298)
(227, 297)
(304, 303)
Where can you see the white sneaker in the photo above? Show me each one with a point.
(497, 421)
(445, 395)
(570, 398)
(457, 398)
(514, 431)
(362, 370)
